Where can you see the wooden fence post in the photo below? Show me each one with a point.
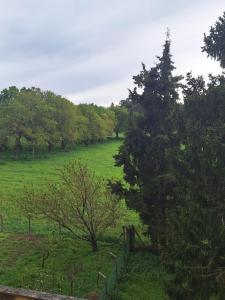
(129, 237)
(1, 223)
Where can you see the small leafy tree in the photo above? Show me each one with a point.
(81, 203)
(121, 113)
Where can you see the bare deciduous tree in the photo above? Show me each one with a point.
(81, 203)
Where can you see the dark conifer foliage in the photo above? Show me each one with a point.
(196, 240)
(146, 152)
(173, 158)
(214, 43)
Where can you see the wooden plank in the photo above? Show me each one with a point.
(8, 293)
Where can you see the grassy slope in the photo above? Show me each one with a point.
(144, 279)
(69, 261)
(21, 257)
(14, 174)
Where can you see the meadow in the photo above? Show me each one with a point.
(15, 173)
(45, 167)
(50, 261)
(144, 278)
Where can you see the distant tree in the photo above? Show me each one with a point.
(67, 117)
(14, 123)
(121, 114)
(8, 95)
(214, 43)
(3, 131)
(37, 118)
(29, 117)
(42, 125)
(100, 122)
(94, 123)
(81, 203)
(108, 118)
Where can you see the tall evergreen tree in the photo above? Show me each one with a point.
(196, 241)
(146, 155)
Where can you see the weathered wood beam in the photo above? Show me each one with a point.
(8, 293)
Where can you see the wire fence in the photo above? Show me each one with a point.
(110, 290)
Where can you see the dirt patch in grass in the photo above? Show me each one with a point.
(25, 237)
(15, 246)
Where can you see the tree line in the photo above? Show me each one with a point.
(173, 158)
(30, 117)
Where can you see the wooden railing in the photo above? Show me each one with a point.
(8, 293)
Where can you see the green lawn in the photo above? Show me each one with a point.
(144, 278)
(71, 267)
(15, 174)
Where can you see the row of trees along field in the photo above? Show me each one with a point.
(36, 119)
(173, 158)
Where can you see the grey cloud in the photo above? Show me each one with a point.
(79, 47)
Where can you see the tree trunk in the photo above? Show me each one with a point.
(32, 150)
(1, 223)
(153, 233)
(130, 232)
(3, 147)
(117, 134)
(63, 145)
(44, 258)
(18, 146)
(94, 244)
(29, 225)
(60, 228)
(71, 287)
(50, 146)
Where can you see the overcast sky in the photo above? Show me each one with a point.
(88, 50)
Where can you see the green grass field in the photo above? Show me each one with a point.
(15, 174)
(144, 278)
(71, 267)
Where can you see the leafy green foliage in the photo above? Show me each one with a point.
(42, 119)
(121, 114)
(8, 95)
(80, 203)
